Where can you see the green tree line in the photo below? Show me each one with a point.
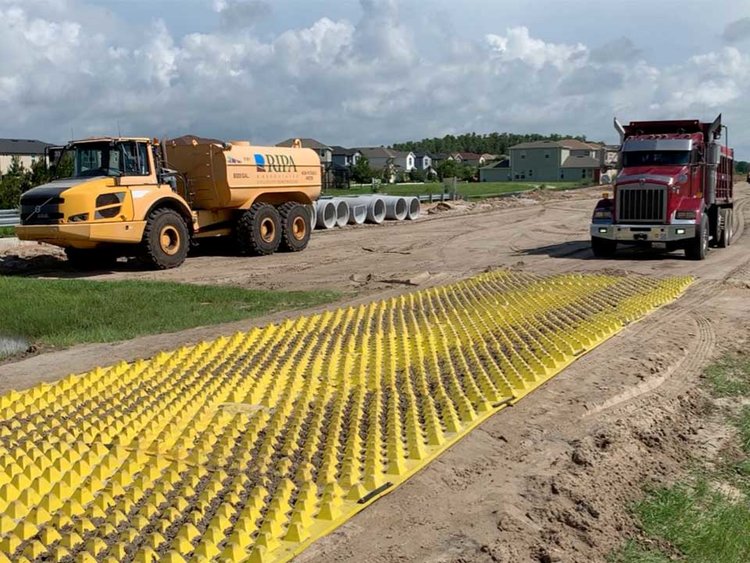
(18, 179)
(492, 143)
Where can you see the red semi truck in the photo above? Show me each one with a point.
(673, 190)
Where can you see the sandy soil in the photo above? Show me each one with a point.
(546, 480)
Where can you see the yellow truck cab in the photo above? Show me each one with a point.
(126, 197)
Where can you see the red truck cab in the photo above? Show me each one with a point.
(673, 189)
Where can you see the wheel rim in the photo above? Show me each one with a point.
(169, 240)
(299, 229)
(267, 230)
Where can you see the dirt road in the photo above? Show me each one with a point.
(549, 479)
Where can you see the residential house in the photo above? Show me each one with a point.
(555, 161)
(423, 161)
(497, 171)
(345, 157)
(438, 157)
(27, 151)
(324, 151)
(382, 157)
(469, 158)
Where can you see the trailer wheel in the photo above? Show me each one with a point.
(90, 258)
(295, 224)
(166, 239)
(697, 248)
(602, 247)
(259, 230)
(726, 232)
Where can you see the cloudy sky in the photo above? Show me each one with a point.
(368, 72)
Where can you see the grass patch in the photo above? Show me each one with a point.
(467, 190)
(701, 522)
(706, 518)
(729, 377)
(6, 232)
(66, 312)
(743, 425)
(632, 552)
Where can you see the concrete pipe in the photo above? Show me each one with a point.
(325, 214)
(413, 208)
(375, 210)
(357, 212)
(395, 208)
(342, 211)
(313, 214)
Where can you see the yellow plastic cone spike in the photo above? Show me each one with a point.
(251, 446)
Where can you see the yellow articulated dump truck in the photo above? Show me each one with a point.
(138, 197)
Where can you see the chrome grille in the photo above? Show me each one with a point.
(641, 203)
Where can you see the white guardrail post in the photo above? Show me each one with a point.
(9, 217)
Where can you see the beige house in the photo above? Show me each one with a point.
(26, 150)
(556, 161)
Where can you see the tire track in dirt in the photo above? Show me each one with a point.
(695, 296)
(689, 365)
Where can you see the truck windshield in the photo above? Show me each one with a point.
(655, 158)
(109, 159)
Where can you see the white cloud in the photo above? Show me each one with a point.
(69, 65)
(518, 45)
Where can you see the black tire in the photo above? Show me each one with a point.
(90, 258)
(166, 239)
(725, 238)
(602, 247)
(259, 230)
(295, 226)
(697, 248)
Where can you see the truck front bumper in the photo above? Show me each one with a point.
(84, 235)
(643, 233)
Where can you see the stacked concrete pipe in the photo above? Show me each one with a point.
(342, 211)
(325, 214)
(357, 211)
(395, 207)
(313, 209)
(413, 208)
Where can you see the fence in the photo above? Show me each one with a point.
(9, 217)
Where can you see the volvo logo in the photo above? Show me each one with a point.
(37, 209)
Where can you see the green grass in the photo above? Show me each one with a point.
(704, 524)
(7, 232)
(632, 552)
(701, 521)
(743, 425)
(729, 377)
(66, 312)
(467, 190)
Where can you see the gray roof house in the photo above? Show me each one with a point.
(26, 150)
(496, 171)
(380, 157)
(324, 151)
(423, 161)
(556, 161)
(343, 156)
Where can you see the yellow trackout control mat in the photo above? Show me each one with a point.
(250, 447)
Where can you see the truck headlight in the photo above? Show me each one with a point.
(78, 218)
(685, 215)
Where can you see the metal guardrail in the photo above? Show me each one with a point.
(9, 217)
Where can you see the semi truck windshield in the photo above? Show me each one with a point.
(655, 158)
